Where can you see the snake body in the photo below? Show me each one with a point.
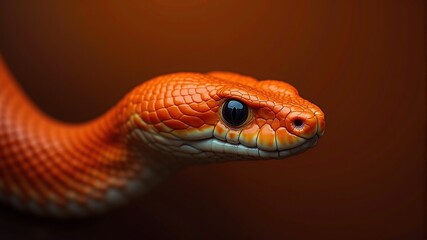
(52, 168)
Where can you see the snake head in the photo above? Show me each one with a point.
(223, 116)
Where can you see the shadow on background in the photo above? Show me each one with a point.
(362, 63)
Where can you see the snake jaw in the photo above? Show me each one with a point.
(213, 149)
(218, 147)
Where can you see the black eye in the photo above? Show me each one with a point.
(235, 112)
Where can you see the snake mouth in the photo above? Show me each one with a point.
(216, 149)
(213, 146)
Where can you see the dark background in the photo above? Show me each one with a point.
(362, 62)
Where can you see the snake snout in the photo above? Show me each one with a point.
(302, 124)
(320, 123)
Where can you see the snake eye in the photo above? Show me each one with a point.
(234, 112)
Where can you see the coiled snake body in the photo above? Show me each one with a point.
(51, 168)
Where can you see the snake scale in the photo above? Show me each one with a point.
(51, 168)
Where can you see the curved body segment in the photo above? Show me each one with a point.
(51, 168)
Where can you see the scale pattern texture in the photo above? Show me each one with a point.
(57, 169)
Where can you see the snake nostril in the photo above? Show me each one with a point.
(298, 123)
(302, 124)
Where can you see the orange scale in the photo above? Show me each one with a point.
(169, 101)
(26, 168)
(197, 98)
(145, 116)
(159, 104)
(188, 99)
(269, 121)
(203, 107)
(176, 93)
(178, 100)
(175, 112)
(80, 177)
(54, 186)
(214, 95)
(151, 106)
(161, 127)
(73, 185)
(186, 109)
(260, 122)
(132, 109)
(210, 117)
(267, 139)
(284, 111)
(256, 104)
(189, 86)
(192, 121)
(205, 96)
(194, 106)
(220, 131)
(202, 91)
(275, 124)
(57, 175)
(175, 124)
(210, 88)
(153, 117)
(184, 91)
(152, 96)
(233, 136)
(296, 108)
(212, 103)
(246, 97)
(236, 92)
(253, 98)
(270, 104)
(286, 140)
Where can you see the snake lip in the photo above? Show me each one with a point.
(310, 143)
(313, 140)
(207, 148)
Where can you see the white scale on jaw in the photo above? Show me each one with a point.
(212, 146)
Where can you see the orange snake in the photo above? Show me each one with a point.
(51, 168)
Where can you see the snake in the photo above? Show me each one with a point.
(52, 168)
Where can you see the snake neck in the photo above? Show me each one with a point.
(57, 169)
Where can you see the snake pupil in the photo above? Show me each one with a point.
(235, 112)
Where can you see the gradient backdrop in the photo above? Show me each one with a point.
(362, 62)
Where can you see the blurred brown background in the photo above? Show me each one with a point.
(362, 62)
